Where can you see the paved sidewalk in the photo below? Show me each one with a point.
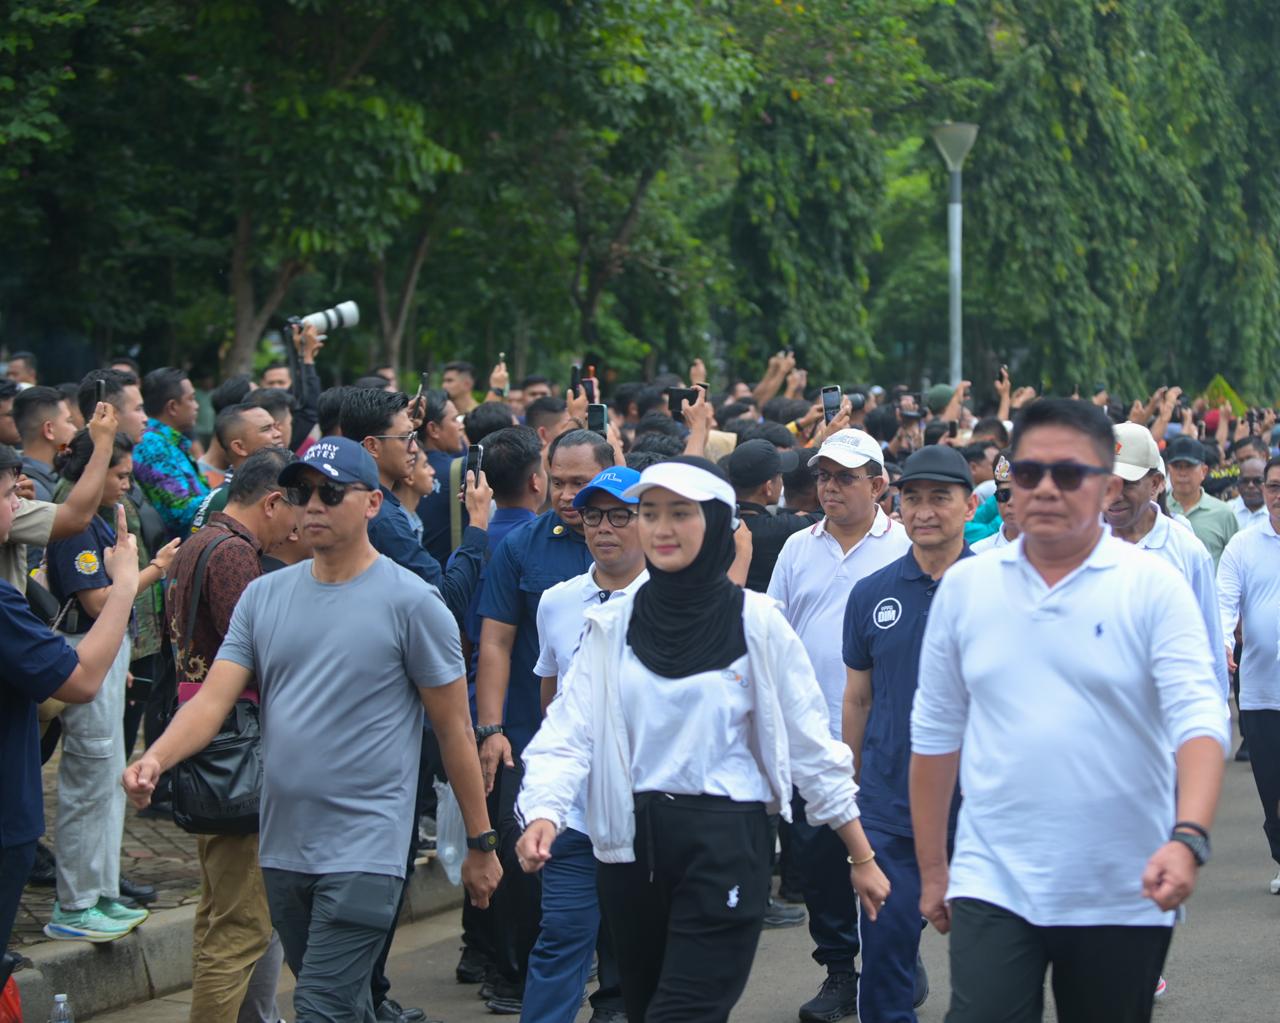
(153, 851)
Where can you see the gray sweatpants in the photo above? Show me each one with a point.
(90, 820)
(332, 927)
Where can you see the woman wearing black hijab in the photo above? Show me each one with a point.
(688, 713)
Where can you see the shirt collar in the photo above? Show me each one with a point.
(912, 571)
(237, 527)
(168, 433)
(1158, 534)
(880, 525)
(1103, 555)
(511, 515)
(558, 529)
(591, 589)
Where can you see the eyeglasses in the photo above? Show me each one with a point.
(1250, 481)
(1066, 475)
(1004, 496)
(1272, 488)
(410, 439)
(331, 494)
(844, 479)
(619, 518)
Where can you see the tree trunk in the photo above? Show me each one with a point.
(250, 319)
(394, 322)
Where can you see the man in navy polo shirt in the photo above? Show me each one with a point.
(39, 664)
(883, 632)
(533, 558)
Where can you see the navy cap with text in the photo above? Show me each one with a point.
(339, 458)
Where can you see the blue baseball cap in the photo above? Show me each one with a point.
(339, 458)
(612, 481)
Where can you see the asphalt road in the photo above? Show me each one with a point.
(1224, 964)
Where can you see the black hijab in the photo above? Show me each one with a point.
(690, 621)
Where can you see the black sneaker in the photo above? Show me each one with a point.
(608, 1016)
(1242, 754)
(472, 966)
(507, 999)
(921, 993)
(836, 999)
(391, 1011)
(141, 893)
(779, 914)
(792, 895)
(44, 871)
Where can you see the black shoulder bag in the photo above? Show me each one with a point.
(216, 791)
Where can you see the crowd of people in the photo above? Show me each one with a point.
(662, 647)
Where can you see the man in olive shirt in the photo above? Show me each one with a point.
(1212, 520)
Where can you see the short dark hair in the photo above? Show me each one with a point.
(784, 410)
(8, 389)
(485, 419)
(882, 423)
(275, 400)
(26, 357)
(775, 433)
(600, 448)
(32, 407)
(373, 382)
(1082, 416)
(992, 426)
(534, 378)
(258, 475)
(459, 366)
(624, 395)
(648, 399)
(434, 405)
(273, 365)
(731, 411)
(659, 444)
(161, 386)
(1257, 443)
(656, 422)
(641, 460)
(510, 456)
(935, 431)
(977, 451)
(70, 392)
(227, 423)
(87, 393)
(71, 463)
(10, 461)
(232, 391)
(544, 411)
(801, 479)
(329, 409)
(366, 412)
(126, 360)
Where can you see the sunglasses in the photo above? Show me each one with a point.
(331, 494)
(1004, 496)
(619, 518)
(1250, 481)
(1066, 475)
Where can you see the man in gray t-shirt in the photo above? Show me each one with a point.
(346, 651)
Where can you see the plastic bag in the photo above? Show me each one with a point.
(10, 1003)
(451, 832)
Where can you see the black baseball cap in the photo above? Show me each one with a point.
(938, 463)
(1184, 449)
(756, 462)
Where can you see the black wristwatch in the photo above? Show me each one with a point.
(484, 731)
(486, 842)
(1195, 838)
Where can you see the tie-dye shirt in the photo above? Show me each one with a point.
(168, 475)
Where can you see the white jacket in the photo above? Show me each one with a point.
(584, 735)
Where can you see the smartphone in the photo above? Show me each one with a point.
(675, 395)
(598, 419)
(589, 384)
(832, 396)
(475, 458)
(575, 379)
(953, 429)
(99, 390)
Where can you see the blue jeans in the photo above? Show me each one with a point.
(828, 891)
(886, 988)
(561, 957)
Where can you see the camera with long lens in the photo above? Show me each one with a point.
(344, 314)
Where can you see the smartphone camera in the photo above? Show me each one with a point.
(598, 419)
(831, 400)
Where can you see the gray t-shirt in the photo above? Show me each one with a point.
(338, 668)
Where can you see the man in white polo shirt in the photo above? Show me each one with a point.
(815, 573)
(1068, 851)
(1249, 592)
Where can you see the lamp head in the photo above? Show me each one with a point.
(954, 139)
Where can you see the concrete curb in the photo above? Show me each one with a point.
(155, 960)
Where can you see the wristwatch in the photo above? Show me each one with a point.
(485, 842)
(484, 731)
(1195, 838)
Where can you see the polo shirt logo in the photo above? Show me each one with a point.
(887, 613)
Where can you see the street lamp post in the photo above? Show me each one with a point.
(954, 140)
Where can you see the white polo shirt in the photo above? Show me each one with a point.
(1249, 590)
(1175, 543)
(812, 581)
(991, 543)
(560, 625)
(1244, 516)
(1065, 701)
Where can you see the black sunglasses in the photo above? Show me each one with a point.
(331, 494)
(1004, 496)
(1066, 475)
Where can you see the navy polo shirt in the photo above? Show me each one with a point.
(530, 560)
(433, 509)
(36, 664)
(76, 564)
(391, 532)
(501, 522)
(884, 624)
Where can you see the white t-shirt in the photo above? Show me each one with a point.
(1244, 516)
(560, 625)
(990, 543)
(1249, 590)
(812, 581)
(692, 736)
(1065, 708)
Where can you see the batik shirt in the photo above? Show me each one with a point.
(168, 475)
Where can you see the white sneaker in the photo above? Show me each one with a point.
(1275, 884)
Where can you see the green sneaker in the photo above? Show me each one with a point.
(85, 925)
(120, 912)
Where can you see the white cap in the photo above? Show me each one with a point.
(688, 481)
(851, 448)
(1136, 452)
